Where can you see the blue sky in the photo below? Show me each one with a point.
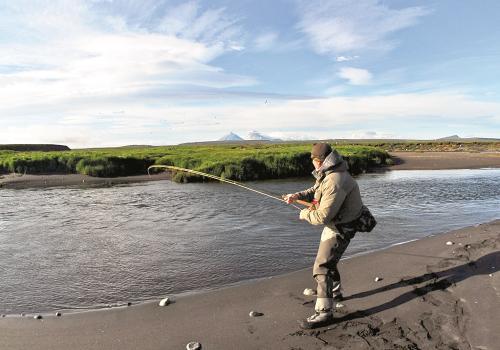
(110, 73)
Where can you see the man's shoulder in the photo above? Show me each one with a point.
(332, 175)
(335, 177)
(332, 178)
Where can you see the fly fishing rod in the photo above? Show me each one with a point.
(235, 183)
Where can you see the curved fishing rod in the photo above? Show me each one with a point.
(235, 183)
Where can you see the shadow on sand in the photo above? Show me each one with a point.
(439, 280)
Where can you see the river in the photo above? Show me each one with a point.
(84, 248)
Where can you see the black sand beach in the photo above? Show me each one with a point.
(432, 296)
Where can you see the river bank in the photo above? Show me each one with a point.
(444, 160)
(428, 298)
(18, 181)
(403, 161)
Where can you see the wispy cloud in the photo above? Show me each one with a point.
(333, 117)
(355, 76)
(340, 26)
(345, 58)
(265, 41)
(212, 26)
(60, 50)
(108, 73)
(372, 135)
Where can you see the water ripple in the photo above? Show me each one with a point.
(84, 248)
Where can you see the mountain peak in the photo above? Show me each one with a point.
(450, 138)
(257, 136)
(231, 137)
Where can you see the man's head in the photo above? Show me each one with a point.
(320, 151)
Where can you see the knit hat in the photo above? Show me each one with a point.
(321, 150)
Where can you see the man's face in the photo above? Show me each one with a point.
(317, 163)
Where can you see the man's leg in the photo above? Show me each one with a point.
(326, 274)
(332, 247)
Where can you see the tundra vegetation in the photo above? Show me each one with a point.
(237, 161)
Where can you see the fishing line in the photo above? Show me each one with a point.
(235, 183)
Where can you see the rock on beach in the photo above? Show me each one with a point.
(193, 346)
(164, 302)
(309, 292)
(255, 314)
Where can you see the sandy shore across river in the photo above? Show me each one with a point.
(18, 181)
(432, 295)
(444, 160)
(403, 161)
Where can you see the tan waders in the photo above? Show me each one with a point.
(326, 274)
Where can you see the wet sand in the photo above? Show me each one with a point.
(444, 160)
(19, 181)
(431, 296)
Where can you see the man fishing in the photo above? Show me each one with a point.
(337, 201)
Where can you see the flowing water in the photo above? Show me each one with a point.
(73, 248)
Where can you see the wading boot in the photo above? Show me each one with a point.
(322, 317)
(338, 297)
(319, 319)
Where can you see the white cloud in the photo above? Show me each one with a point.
(345, 58)
(355, 76)
(160, 123)
(265, 41)
(212, 26)
(292, 135)
(52, 134)
(56, 51)
(335, 90)
(339, 26)
(372, 135)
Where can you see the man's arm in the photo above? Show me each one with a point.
(331, 202)
(307, 195)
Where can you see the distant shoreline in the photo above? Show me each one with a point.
(16, 181)
(403, 161)
(444, 160)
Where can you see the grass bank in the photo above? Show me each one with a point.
(238, 162)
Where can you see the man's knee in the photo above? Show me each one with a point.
(320, 278)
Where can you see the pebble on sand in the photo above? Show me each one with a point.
(309, 292)
(37, 317)
(378, 279)
(193, 346)
(255, 314)
(165, 302)
(450, 243)
(58, 314)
